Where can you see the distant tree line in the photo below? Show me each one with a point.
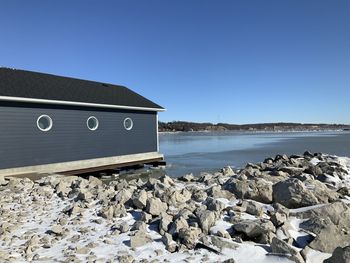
(280, 126)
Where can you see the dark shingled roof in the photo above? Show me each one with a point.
(34, 85)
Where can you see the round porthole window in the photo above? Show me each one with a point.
(128, 124)
(92, 123)
(44, 123)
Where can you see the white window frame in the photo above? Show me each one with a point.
(132, 124)
(50, 122)
(97, 123)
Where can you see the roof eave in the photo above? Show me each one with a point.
(75, 103)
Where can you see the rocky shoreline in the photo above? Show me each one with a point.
(284, 209)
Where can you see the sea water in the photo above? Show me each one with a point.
(195, 152)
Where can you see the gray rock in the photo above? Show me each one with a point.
(139, 225)
(223, 233)
(107, 212)
(253, 208)
(123, 227)
(214, 205)
(330, 223)
(321, 191)
(340, 255)
(145, 217)
(292, 171)
(217, 192)
(169, 243)
(140, 199)
(94, 181)
(164, 223)
(281, 247)
(189, 236)
(155, 206)
(63, 188)
(178, 224)
(256, 230)
(199, 195)
(166, 180)
(84, 195)
(176, 197)
(206, 220)
(119, 211)
(19, 184)
(278, 218)
(227, 171)
(123, 196)
(139, 239)
(126, 259)
(292, 193)
(82, 250)
(216, 243)
(258, 189)
(222, 243)
(187, 178)
(57, 229)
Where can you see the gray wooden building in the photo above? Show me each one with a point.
(58, 124)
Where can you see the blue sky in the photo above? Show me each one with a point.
(219, 61)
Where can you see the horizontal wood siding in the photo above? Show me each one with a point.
(23, 144)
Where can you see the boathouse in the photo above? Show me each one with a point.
(52, 124)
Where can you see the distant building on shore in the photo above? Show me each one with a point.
(59, 124)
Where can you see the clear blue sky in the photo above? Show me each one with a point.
(219, 61)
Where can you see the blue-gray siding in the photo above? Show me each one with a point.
(23, 144)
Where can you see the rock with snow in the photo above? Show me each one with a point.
(281, 247)
(206, 219)
(169, 243)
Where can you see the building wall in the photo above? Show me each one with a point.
(23, 144)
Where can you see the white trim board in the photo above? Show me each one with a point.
(74, 103)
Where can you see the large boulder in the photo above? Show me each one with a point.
(321, 191)
(292, 193)
(257, 189)
(330, 223)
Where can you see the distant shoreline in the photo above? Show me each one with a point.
(181, 126)
(253, 131)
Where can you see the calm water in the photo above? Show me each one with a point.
(200, 151)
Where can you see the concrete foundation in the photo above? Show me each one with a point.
(85, 165)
